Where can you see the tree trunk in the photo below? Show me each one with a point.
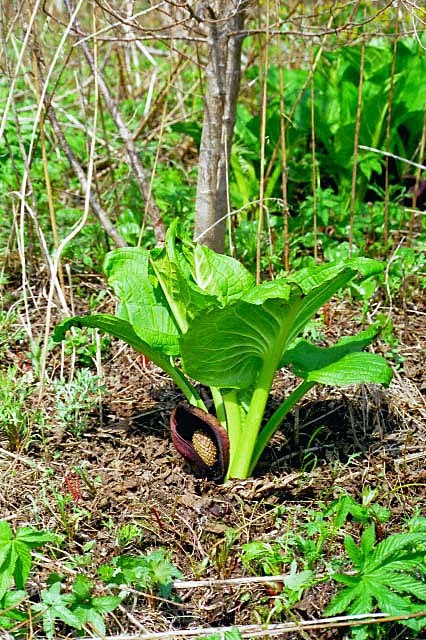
(225, 21)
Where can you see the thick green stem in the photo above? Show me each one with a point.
(240, 464)
(233, 422)
(219, 405)
(276, 419)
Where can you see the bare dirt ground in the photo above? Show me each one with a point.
(336, 440)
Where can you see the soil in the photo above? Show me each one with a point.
(336, 440)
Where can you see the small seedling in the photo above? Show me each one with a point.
(16, 416)
(90, 609)
(151, 573)
(129, 534)
(293, 585)
(200, 315)
(264, 558)
(56, 605)
(66, 510)
(221, 555)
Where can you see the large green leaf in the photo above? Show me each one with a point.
(184, 298)
(226, 347)
(109, 324)
(142, 304)
(340, 365)
(355, 368)
(123, 330)
(309, 278)
(271, 289)
(319, 284)
(220, 275)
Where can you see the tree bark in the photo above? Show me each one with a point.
(223, 71)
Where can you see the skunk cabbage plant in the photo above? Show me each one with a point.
(202, 318)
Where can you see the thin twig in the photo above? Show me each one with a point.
(264, 95)
(78, 170)
(392, 155)
(256, 630)
(356, 141)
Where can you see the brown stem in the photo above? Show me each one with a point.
(356, 142)
(388, 132)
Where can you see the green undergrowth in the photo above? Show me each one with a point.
(340, 542)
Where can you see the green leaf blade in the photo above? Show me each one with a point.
(226, 347)
(398, 544)
(34, 538)
(112, 325)
(221, 276)
(339, 365)
(142, 304)
(23, 564)
(6, 533)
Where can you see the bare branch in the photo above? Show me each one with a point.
(126, 137)
(79, 172)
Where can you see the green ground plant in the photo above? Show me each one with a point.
(75, 400)
(12, 613)
(233, 634)
(388, 575)
(56, 606)
(15, 554)
(82, 604)
(128, 534)
(78, 609)
(17, 416)
(67, 511)
(186, 303)
(310, 539)
(151, 573)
